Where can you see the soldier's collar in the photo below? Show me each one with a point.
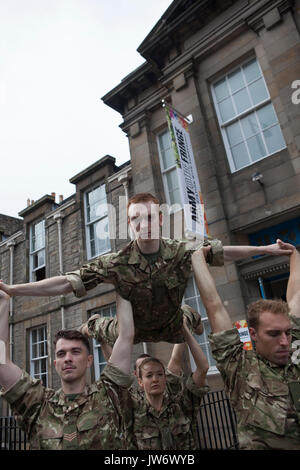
(167, 250)
(60, 398)
(272, 364)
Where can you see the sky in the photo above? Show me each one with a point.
(57, 59)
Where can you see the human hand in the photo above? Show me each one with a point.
(280, 248)
(5, 291)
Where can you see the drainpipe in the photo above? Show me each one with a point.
(11, 245)
(124, 179)
(58, 217)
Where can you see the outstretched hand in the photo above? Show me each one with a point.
(5, 288)
(280, 248)
(4, 294)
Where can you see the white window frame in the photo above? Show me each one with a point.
(41, 338)
(34, 252)
(107, 311)
(195, 302)
(94, 222)
(253, 109)
(175, 207)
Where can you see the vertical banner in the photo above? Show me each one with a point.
(243, 330)
(194, 215)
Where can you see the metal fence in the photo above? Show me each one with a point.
(214, 426)
(11, 435)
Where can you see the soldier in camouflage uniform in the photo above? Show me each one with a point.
(78, 416)
(162, 419)
(151, 272)
(263, 384)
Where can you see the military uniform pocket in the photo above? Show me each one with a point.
(87, 421)
(50, 438)
(267, 405)
(148, 438)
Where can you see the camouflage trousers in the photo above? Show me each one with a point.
(105, 329)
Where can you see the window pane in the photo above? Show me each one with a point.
(251, 71)
(100, 209)
(175, 197)
(34, 351)
(189, 291)
(164, 141)
(43, 366)
(241, 100)
(250, 125)
(172, 179)
(258, 91)
(34, 336)
(168, 158)
(267, 116)
(240, 156)
(256, 147)
(37, 368)
(234, 134)
(102, 240)
(226, 110)
(274, 139)
(221, 90)
(41, 258)
(236, 81)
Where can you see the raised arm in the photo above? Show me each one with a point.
(293, 287)
(202, 366)
(217, 314)
(57, 285)
(175, 364)
(122, 350)
(235, 253)
(9, 372)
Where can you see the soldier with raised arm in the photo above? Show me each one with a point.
(263, 384)
(78, 416)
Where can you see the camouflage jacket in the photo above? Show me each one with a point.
(171, 427)
(100, 418)
(265, 397)
(155, 291)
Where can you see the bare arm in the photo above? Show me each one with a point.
(293, 287)
(176, 359)
(234, 253)
(57, 285)
(217, 314)
(202, 366)
(9, 372)
(122, 350)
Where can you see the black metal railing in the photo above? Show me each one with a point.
(11, 435)
(214, 426)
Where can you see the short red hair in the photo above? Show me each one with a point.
(142, 197)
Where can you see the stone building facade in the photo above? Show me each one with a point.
(231, 66)
(234, 68)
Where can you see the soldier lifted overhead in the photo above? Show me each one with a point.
(263, 385)
(151, 272)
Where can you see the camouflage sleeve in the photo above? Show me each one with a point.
(174, 383)
(216, 255)
(192, 396)
(26, 398)
(117, 386)
(92, 274)
(227, 350)
(295, 322)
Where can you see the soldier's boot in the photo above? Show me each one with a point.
(193, 319)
